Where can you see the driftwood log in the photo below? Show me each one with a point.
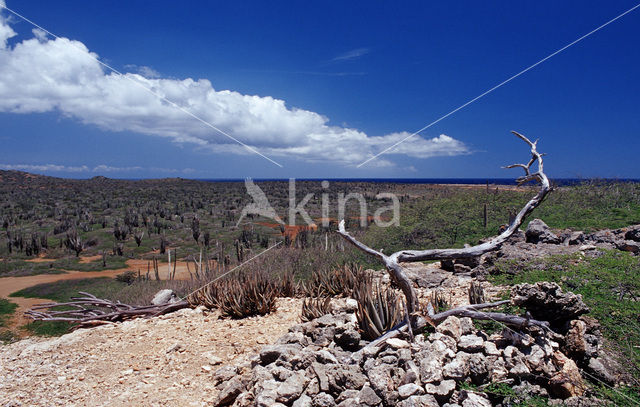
(89, 310)
(393, 261)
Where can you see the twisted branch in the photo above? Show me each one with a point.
(88, 310)
(392, 262)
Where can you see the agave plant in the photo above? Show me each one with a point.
(287, 287)
(439, 302)
(476, 293)
(379, 309)
(313, 308)
(239, 295)
(339, 281)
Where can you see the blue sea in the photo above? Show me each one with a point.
(455, 181)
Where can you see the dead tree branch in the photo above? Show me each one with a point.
(471, 311)
(89, 310)
(392, 262)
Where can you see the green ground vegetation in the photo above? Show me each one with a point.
(7, 308)
(609, 283)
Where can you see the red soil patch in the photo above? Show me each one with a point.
(289, 230)
(89, 259)
(41, 259)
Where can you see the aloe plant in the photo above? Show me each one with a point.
(313, 308)
(335, 282)
(379, 309)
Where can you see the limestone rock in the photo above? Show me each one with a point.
(490, 349)
(232, 390)
(451, 327)
(291, 388)
(575, 238)
(368, 397)
(633, 233)
(546, 301)
(539, 232)
(458, 368)
(441, 391)
(271, 353)
(466, 326)
(471, 343)
(342, 377)
(323, 400)
(628, 246)
(410, 389)
(449, 341)
(224, 374)
(303, 401)
(478, 370)
(575, 341)
(602, 368)
(348, 338)
(430, 369)
(397, 343)
(165, 296)
(473, 399)
(426, 400)
(568, 381)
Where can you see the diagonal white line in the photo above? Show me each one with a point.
(164, 99)
(500, 84)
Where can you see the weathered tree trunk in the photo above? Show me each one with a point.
(393, 262)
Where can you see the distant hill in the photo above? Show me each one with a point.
(22, 179)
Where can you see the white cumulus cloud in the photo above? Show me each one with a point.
(40, 74)
(44, 167)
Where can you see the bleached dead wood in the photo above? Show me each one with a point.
(393, 261)
(472, 311)
(89, 310)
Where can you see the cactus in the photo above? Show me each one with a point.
(439, 302)
(195, 228)
(163, 244)
(138, 237)
(74, 242)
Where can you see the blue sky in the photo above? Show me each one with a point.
(318, 87)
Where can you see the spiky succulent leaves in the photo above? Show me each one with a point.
(476, 293)
(335, 282)
(287, 286)
(313, 308)
(439, 301)
(240, 295)
(379, 309)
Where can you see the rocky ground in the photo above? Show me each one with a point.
(325, 363)
(192, 357)
(165, 361)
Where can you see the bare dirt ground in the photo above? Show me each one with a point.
(40, 259)
(89, 259)
(165, 361)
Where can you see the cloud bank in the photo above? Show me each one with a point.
(41, 74)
